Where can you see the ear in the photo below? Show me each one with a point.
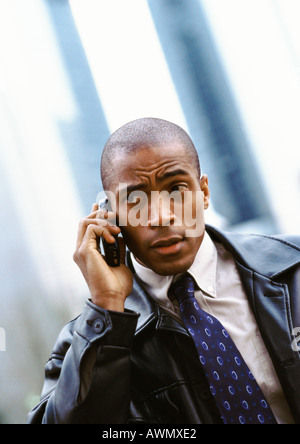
(205, 189)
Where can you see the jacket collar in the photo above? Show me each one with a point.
(269, 256)
(150, 313)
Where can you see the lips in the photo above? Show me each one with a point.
(166, 242)
(169, 245)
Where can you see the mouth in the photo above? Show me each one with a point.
(168, 246)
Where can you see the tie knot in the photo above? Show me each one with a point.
(183, 287)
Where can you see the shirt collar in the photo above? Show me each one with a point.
(203, 270)
(204, 267)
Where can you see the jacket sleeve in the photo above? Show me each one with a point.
(87, 378)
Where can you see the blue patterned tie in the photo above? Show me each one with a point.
(237, 394)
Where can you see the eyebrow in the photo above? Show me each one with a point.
(178, 172)
(167, 175)
(130, 188)
(136, 187)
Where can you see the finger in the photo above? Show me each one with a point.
(84, 224)
(93, 232)
(89, 242)
(105, 214)
(102, 213)
(95, 207)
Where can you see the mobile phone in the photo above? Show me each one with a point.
(111, 251)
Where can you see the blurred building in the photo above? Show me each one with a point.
(211, 112)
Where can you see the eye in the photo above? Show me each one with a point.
(179, 187)
(137, 197)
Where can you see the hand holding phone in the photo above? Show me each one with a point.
(111, 251)
(109, 285)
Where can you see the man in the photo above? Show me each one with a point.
(130, 356)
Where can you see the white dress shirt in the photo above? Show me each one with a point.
(222, 295)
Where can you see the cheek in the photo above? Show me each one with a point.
(133, 239)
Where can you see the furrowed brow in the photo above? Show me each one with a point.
(174, 173)
(130, 188)
(143, 186)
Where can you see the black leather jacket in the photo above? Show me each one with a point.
(110, 367)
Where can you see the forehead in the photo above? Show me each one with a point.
(151, 161)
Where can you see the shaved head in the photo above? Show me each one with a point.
(142, 134)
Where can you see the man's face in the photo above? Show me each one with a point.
(162, 242)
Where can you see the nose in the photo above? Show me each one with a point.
(160, 211)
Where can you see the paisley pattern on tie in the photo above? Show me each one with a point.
(237, 394)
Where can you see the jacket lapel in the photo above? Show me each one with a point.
(270, 303)
(140, 302)
(268, 255)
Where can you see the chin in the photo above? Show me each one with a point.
(170, 265)
(171, 268)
